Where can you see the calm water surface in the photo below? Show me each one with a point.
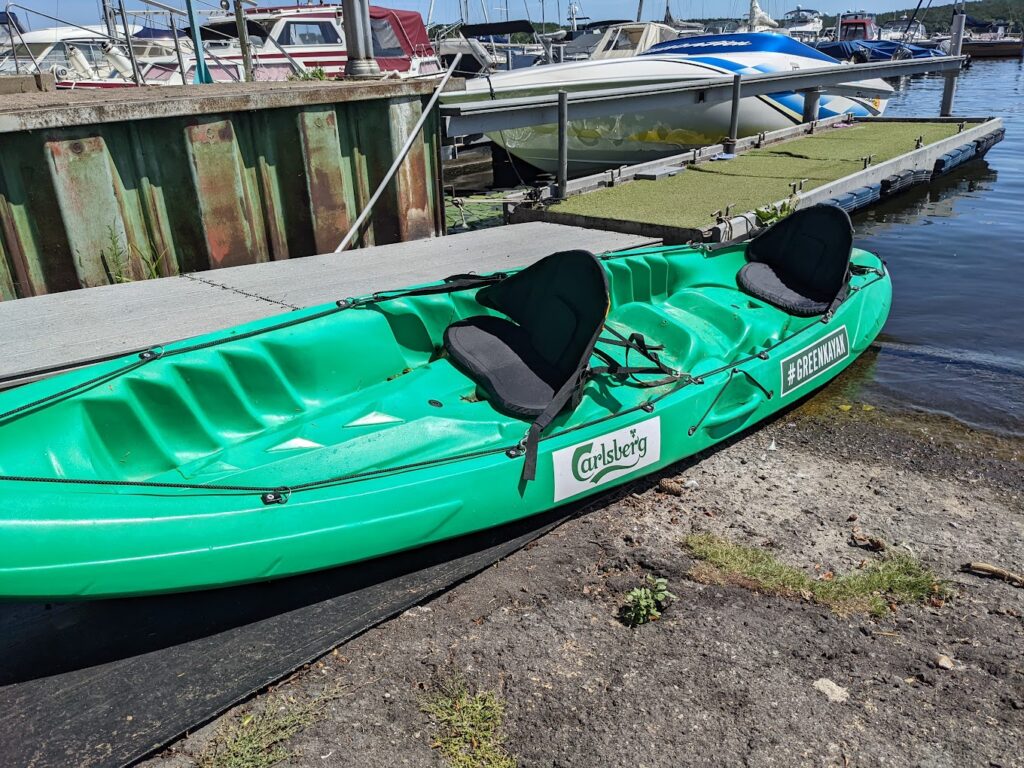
(954, 342)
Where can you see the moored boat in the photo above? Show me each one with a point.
(289, 40)
(386, 422)
(627, 137)
(805, 24)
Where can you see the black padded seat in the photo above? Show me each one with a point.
(801, 264)
(556, 309)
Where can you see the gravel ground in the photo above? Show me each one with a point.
(727, 676)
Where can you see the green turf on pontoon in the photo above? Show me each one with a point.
(755, 178)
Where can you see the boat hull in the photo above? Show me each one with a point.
(628, 137)
(604, 143)
(207, 429)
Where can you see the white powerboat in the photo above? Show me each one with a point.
(903, 30)
(805, 24)
(629, 137)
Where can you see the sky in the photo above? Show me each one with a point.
(86, 11)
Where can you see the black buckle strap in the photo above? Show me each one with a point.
(635, 342)
(528, 444)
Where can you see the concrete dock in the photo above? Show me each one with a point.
(47, 334)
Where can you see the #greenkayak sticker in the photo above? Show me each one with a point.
(585, 466)
(812, 361)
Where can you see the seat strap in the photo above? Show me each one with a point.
(635, 342)
(530, 442)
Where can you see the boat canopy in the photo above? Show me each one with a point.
(10, 20)
(625, 40)
(156, 33)
(497, 28)
(876, 50)
(406, 28)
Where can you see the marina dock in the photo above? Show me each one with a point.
(707, 196)
(48, 334)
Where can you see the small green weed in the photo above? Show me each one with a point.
(315, 73)
(117, 262)
(469, 727)
(895, 579)
(257, 739)
(769, 214)
(646, 603)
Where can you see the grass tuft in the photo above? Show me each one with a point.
(894, 579)
(469, 727)
(258, 739)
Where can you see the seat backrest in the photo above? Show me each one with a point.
(809, 251)
(561, 302)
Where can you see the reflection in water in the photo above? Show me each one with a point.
(954, 343)
(936, 199)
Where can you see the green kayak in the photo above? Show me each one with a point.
(386, 422)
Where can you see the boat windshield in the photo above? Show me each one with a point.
(855, 31)
(898, 27)
(624, 40)
(21, 56)
(386, 44)
(309, 32)
(796, 18)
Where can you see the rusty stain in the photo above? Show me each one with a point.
(206, 186)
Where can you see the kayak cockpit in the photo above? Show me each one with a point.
(333, 393)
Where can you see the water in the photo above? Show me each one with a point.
(954, 343)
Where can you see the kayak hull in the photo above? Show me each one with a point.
(61, 540)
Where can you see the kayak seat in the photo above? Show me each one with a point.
(801, 264)
(555, 310)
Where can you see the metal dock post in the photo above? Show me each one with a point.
(243, 41)
(563, 143)
(358, 39)
(955, 45)
(812, 98)
(734, 119)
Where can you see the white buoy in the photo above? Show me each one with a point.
(117, 60)
(80, 64)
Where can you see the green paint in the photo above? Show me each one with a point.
(755, 178)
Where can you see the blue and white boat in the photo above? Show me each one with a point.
(632, 137)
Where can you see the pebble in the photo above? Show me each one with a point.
(832, 691)
(942, 661)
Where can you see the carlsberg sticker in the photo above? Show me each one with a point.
(810, 362)
(585, 466)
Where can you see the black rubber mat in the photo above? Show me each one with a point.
(106, 683)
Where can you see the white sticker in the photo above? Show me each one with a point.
(814, 359)
(585, 466)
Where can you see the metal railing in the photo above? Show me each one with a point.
(488, 115)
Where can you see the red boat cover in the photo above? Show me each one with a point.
(409, 27)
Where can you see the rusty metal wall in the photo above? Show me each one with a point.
(106, 192)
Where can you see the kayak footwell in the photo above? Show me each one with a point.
(71, 674)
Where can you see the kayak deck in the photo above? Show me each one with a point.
(363, 389)
(345, 433)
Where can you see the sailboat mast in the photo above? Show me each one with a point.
(108, 19)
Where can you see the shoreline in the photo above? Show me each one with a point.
(729, 673)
